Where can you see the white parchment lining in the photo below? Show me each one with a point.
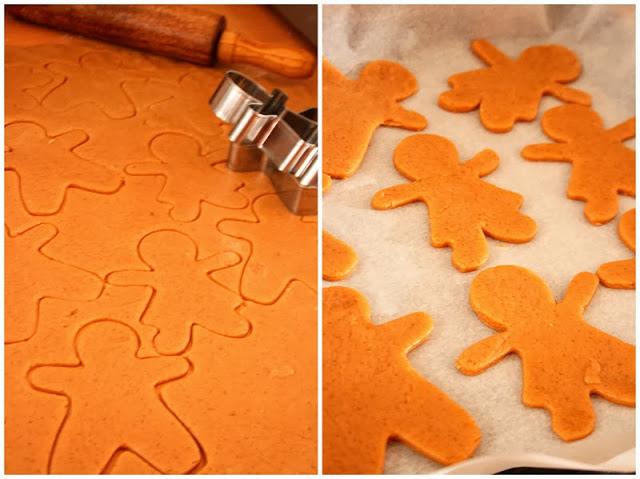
(400, 272)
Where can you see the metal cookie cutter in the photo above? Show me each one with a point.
(266, 136)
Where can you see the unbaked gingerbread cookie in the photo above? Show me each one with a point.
(353, 109)
(462, 207)
(603, 166)
(510, 90)
(371, 393)
(564, 359)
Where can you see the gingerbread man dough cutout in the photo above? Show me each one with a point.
(353, 109)
(510, 90)
(603, 166)
(184, 294)
(93, 79)
(564, 359)
(114, 403)
(48, 167)
(622, 274)
(462, 207)
(191, 177)
(371, 393)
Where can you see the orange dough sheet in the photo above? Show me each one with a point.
(141, 336)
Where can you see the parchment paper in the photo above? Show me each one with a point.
(400, 272)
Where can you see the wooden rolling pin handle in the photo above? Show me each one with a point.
(177, 31)
(232, 48)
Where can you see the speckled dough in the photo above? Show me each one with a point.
(564, 359)
(371, 393)
(510, 90)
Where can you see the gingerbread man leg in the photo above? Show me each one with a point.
(616, 375)
(176, 453)
(513, 227)
(572, 415)
(468, 247)
(445, 433)
(68, 456)
(497, 114)
(363, 453)
(601, 204)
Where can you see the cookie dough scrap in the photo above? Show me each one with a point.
(49, 168)
(283, 248)
(510, 90)
(564, 359)
(463, 208)
(31, 414)
(32, 276)
(353, 109)
(190, 176)
(253, 406)
(602, 166)
(622, 274)
(115, 399)
(338, 258)
(372, 394)
(184, 294)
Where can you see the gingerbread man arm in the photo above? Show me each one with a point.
(56, 379)
(395, 196)
(580, 291)
(146, 168)
(488, 53)
(483, 163)
(623, 131)
(403, 118)
(409, 330)
(484, 354)
(569, 95)
(220, 261)
(547, 152)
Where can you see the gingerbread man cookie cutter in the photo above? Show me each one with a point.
(266, 136)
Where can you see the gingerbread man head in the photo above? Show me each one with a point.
(567, 122)
(510, 297)
(398, 82)
(558, 63)
(422, 156)
(99, 340)
(155, 250)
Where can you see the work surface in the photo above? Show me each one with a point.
(151, 324)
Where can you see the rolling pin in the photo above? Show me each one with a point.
(181, 32)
